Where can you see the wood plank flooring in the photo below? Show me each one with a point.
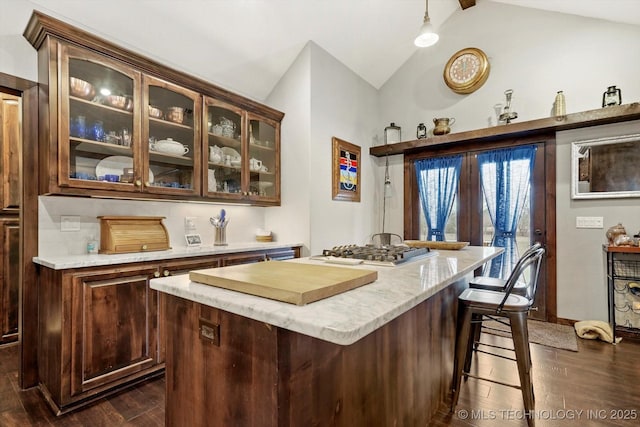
(141, 406)
(597, 386)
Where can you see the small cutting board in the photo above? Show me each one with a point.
(291, 282)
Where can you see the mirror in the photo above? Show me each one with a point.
(606, 167)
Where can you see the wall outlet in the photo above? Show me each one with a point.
(589, 222)
(69, 223)
(189, 224)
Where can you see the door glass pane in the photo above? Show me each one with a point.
(451, 228)
(262, 158)
(224, 150)
(171, 139)
(100, 122)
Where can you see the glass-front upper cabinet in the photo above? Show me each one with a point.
(99, 122)
(171, 138)
(224, 157)
(263, 159)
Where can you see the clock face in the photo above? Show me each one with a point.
(464, 68)
(467, 70)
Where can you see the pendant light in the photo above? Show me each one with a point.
(427, 35)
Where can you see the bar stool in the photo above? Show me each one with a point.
(496, 284)
(474, 304)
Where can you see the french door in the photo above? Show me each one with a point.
(470, 220)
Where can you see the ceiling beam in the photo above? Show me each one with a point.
(464, 4)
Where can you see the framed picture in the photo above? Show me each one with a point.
(193, 239)
(346, 171)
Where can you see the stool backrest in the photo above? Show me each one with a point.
(531, 258)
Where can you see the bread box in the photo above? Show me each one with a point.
(125, 234)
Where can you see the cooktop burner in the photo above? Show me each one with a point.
(371, 254)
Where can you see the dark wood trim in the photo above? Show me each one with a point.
(15, 85)
(41, 26)
(29, 240)
(550, 232)
(465, 4)
(466, 224)
(531, 128)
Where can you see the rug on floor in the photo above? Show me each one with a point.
(544, 333)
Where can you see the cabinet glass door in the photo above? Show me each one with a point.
(224, 135)
(263, 159)
(99, 122)
(171, 138)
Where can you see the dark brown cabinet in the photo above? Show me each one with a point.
(10, 188)
(114, 325)
(116, 124)
(101, 328)
(9, 279)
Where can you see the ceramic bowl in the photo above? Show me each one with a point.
(155, 112)
(116, 101)
(169, 146)
(175, 114)
(81, 89)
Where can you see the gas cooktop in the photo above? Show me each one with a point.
(372, 254)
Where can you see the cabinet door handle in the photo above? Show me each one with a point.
(156, 274)
(138, 183)
(144, 247)
(147, 184)
(166, 273)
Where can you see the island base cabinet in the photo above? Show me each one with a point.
(224, 369)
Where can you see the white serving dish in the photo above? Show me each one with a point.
(115, 165)
(169, 146)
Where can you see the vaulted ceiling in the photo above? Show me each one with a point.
(247, 45)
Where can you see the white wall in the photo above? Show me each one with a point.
(322, 99)
(582, 291)
(243, 221)
(17, 57)
(345, 106)
(291, 220)
(535, 53)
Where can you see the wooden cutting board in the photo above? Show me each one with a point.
(291, 282)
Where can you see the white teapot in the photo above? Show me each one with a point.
(215, 154)
(170, 146)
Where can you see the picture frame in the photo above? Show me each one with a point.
(193, 239)
(346, 167)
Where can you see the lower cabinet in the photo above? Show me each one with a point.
(101, 329)
(9, 280)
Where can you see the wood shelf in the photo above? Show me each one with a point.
(601, 116)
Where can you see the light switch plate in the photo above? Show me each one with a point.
(589, 222)
(69, 223)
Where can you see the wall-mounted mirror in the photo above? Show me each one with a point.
(606, 167)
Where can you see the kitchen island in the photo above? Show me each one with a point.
(380, 354)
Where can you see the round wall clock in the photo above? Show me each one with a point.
(467, 70)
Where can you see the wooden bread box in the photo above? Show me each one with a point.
(126, 234)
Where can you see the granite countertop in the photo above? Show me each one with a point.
(347, 317)
(86, 260)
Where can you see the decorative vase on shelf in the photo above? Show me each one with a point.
(559, 107)
(613, 232)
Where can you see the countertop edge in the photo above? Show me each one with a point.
(318, 319)
(97, 260)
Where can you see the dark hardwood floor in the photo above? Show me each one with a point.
(597, 386)
(141, 405)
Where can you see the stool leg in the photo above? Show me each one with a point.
(477, 332)
(462, 342)
(520, 336)
(474, 336)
